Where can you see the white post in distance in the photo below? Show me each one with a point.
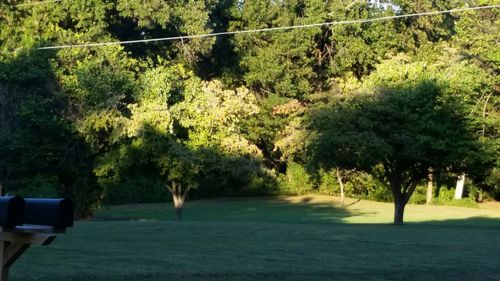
(459, 191)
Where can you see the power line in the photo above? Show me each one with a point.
(345, 22)
(38, 3)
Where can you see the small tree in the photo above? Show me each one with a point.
(181, 168)
(396, 133)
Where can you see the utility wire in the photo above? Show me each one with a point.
(332, 23)
(38, 3)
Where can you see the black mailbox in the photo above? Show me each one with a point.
(57, 213)
(11, 211)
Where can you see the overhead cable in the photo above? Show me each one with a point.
(332, 23)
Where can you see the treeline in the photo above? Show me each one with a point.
(372, 105)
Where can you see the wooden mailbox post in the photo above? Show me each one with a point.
(30, 221)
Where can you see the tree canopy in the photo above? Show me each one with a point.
(244, 113)
(396, 133)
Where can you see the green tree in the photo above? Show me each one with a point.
(214, 117)
(270, 128)
(297, 63)
(220, 107)
(179, 131)
(29, 125)
(42, 153)
(159, 18)
(395, 133)
(476, 39)
(276, 62)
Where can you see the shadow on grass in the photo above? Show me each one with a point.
(275, 209)
(265, 239)
(302, 210)
(472, 221)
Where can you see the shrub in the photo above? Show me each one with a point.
(419, 195)
(447, 197)
(493, 183)
(37, 186)
(366, 186)
(137, 190)
(264, 184)
(328, 184)
(87, 196)
(296, 180)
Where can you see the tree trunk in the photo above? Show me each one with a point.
(178, 204)
(399, 209)
(460, 186)
(179, 197)
(178, 213)
(430, 183)
(342, 196)
(400, 199)
(1, 189)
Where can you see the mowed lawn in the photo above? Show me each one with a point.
(289, 238)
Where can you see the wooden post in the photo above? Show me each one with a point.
(430, 183)
(3, 272)
(14, 242)
(341, 183)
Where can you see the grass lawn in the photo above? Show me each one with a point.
(290, 238)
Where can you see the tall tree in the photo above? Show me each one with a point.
(159, 18)
(476, 38)
(397, 132)
(40, 146)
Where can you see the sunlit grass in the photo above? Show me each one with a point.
(290, 238)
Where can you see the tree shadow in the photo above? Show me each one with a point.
(308, 209)
(304, 210)
(294, 210)
(355, 212)
(476, 221)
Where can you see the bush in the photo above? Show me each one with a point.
(38, 186)
(447, 197)
(493, 183)
(264, 184)
(296, 181)
(87, 196)
(366, 186)
(419, 195)
(137, 190)
(328, 184)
